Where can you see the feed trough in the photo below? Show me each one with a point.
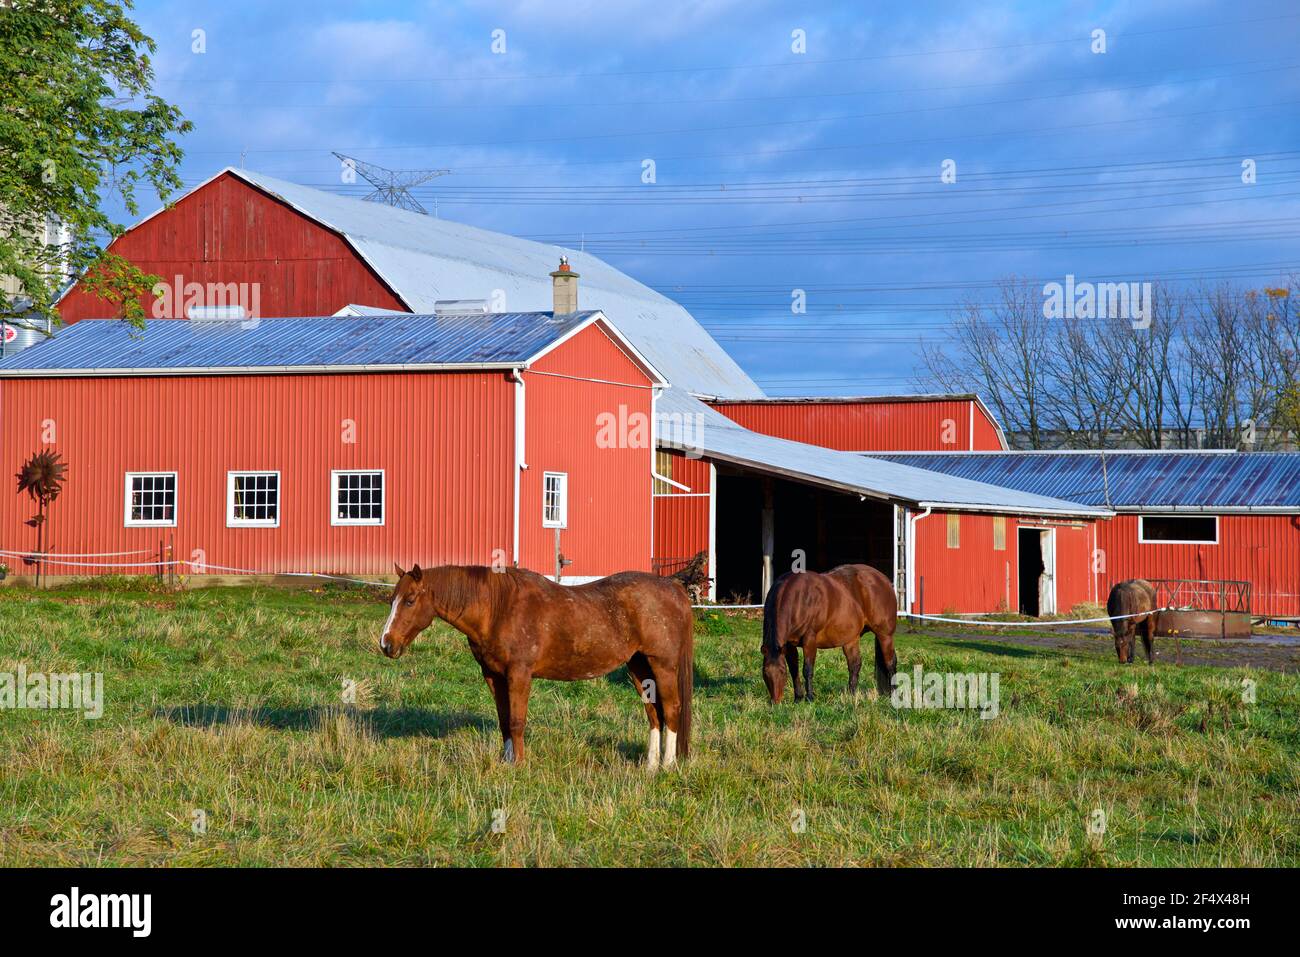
(1203, 608)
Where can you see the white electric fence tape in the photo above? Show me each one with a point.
(48, 558)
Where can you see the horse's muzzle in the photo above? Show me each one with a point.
(390, 648)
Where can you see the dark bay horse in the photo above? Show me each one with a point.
(1133, 597)
(522, 626)
(810, 610)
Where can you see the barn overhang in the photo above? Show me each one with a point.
(691, 427)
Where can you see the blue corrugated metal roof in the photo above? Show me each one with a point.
(172, 345)
(686, 423)
(1133, 480)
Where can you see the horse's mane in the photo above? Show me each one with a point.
(770, 640)
(458, 587)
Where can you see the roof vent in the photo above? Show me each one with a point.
(461, 307)
(215, 313)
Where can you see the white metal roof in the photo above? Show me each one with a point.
(687, 424)
(425, 260)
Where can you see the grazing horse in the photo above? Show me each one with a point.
(1133, 597)
(831, 610)
(522, 626)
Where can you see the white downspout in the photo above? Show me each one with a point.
(520, 449)
(654, 461)
(911, 554)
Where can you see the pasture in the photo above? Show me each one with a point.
(231, 701)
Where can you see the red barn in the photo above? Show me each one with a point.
(888, 423)
(338, 445)
(1197, 515)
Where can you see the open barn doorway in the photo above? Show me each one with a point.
(1036, 570)
(824, 527)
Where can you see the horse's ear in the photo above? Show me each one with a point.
(416, 573)
(400, 573)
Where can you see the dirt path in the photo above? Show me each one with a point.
(1272, 652)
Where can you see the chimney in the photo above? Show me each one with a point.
(564, 285)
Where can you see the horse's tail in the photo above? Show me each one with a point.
(685, 686)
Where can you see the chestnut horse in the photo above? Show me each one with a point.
(810, 610)
(522, 626)
(1133, 597)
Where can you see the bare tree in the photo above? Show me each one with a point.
(1153, 360)
(1000, 351)
(1215, 368)
(1090, 382)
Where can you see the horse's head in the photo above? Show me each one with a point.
(1124, 644)
(411, 612)
(774, 672)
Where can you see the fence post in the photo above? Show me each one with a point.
(1223, 609)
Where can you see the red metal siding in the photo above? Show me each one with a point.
(1261, 549)
(226, 232)
(609, 523)
(939, 425)
(977, 578)
(987, 437)
(682, 519)
(444, 441)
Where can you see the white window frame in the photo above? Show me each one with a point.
(563, 520)
(334, 497)
(129, 522)
(1142, 531)
(231, 521)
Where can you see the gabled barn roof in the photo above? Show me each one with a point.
(1210, 481)
(691, 426)
(393, 342)
(425, 260)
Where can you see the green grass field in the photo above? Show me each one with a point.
(230, 701)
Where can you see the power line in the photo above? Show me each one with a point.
(392, 187)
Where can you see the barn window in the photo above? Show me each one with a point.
(253, 498)
(1187, 529)
(954, 530)
(664, 468)
(555, 499)
(150, 498)
(358, 498)
(999, 533)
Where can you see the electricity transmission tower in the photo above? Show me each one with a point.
(392, 186)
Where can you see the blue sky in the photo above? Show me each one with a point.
(777, 170)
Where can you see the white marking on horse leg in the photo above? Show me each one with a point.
(670, 747)
(508, 753)
(652, 752)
